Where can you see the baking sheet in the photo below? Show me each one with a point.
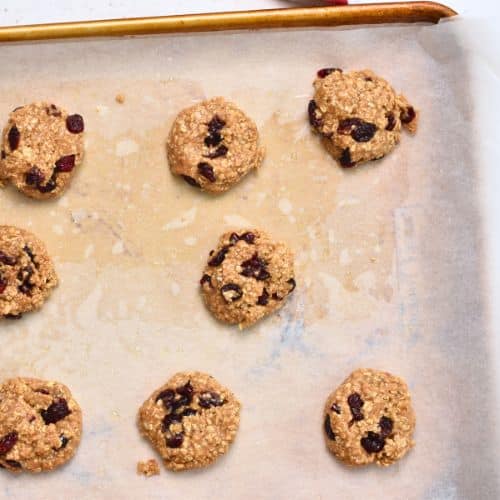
(389, 256)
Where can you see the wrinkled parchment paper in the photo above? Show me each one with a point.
(390, 266)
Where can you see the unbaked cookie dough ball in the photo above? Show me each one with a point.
(369, 419)
(358, 115)
(213, 145)
(248, 276)
(40, 425)
(42, 146)
(191, 420)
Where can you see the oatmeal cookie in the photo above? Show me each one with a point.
(213, 145)
(42, 146)
(358, 115)
(191, 420)
(27, 275)
(369, 419)
(247, 277)
(40, 425)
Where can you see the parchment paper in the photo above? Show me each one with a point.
(389, 265)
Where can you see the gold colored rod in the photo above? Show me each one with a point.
(401, 12)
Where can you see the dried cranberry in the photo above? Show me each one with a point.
(167, 397)
(209, 399)
(207, 171)
(13, 137)
(408, 115)
(6, 259)
(64, 442)
(231, 292)
(214, 139)
(275, 296)
(336, 408)
(345, 159)
(13, 316)
(65, 163)
(368, 79)
(52, 110)
(322, 73)
(190, 181)
(24, 276)
(311, 110)
(355, 404)
(328, 428)
(220, 151)
(248, 237)
(255, 267)
(31, 255)
(3, 284)
(386, 425)
(74, 123)
(347, 125)
(373, 442)
(292, 283)
(34, 177)
(3, 155)
(216, 124)
(50, 186)
(206, 279)
(219, 257)
(391, 121)
(186, 390)
(188, 412)
(263, 299)
(234, 238)
(56, 411)
(13, 463)
(8, 442)
(175, 441)
(359, 130)
(42, 391)
(168, 420)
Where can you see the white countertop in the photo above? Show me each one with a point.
(33, 11)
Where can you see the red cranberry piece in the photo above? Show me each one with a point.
(219, 257)
(255, 267)
(345, 159)
(14, 464)
(347, 125)
(3, 155)
(24, 276)
(3, 284)
(56, 411)
(391, 121)
(209, 399)
(13, 137)
(248, 237)
(216, 124)
(373, 442)
(74, 123)
(175, 441)
(313, 118)
(34, 177)
(64, 442)
(386, 425)
(322, 73)
(220, 151)
(292, 283)
(168, 420)
(52, 110)
(6, 259)
(186, 390)
(188, 412)
(263, 299)
(207, 171)
(42, 391)
(275, 296)
(8, 442)
(231, 292)
(355, 404)
(328, 428)
(31, 255)
(206, 279)
(336, 408)
(408, 115)
(190, 181)
(13, 316)
(359, 130)
(212, 140)
(234, 238)
(50, 186)
(167, 397)
(65, 163)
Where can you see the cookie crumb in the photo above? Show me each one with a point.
(120, 98)
(148, 468)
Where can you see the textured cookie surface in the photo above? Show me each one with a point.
(358, 115)
(247, 277)
(191, 420)
(41, 147)
(27, 275)
(369, 418)
(40, 425)
(213, 144)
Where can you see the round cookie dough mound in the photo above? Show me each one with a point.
(247, 277)
(191, 420)
(40, 425)
(27, 275)
(42, 146)
(213, 145)
(369, 418)
(358, 115)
